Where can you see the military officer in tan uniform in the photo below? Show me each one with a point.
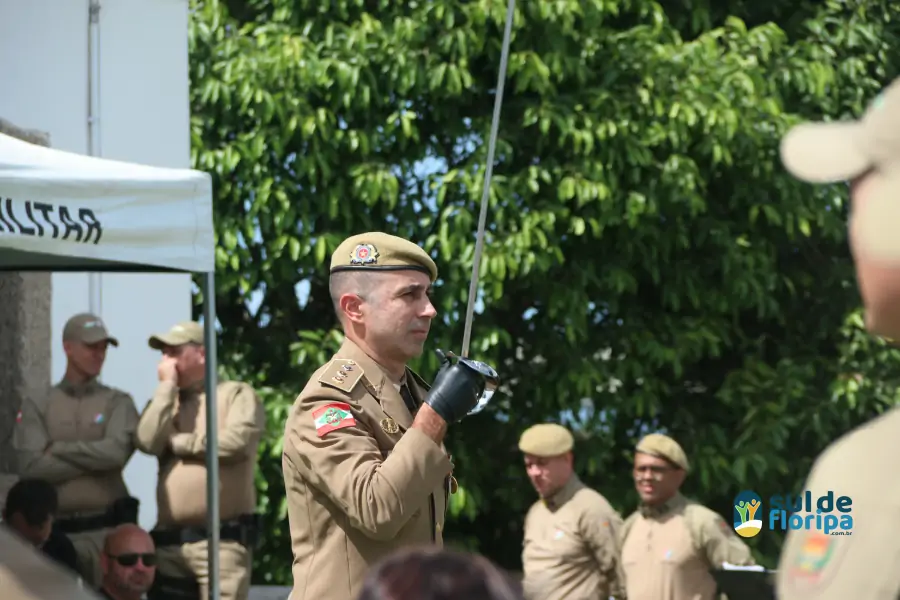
(860, 464)
(570, 550)
(364, 465)
(173, 428)
(670, 544)
(79, 437)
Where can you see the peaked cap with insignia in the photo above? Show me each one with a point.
(377, 251)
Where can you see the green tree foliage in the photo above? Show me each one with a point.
(649, 265)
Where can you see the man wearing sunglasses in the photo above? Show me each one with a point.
(128, 562)
(862, 563)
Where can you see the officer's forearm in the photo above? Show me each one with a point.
(155, 425)
(103, 455)
(235, 444)
(47, 467)
(431, 424)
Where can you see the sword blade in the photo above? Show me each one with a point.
(488, 173)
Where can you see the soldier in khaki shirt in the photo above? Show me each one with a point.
(364, 465)
(570, 550)
(860, 464)
(79, 437)
(671, 543)
(173, 428)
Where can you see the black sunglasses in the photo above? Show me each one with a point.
(131, 559)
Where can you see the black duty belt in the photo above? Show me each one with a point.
(123, 510)
(173, 588)
(243, 530)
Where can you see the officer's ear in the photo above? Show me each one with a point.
(351, 307)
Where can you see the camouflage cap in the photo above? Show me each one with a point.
(829, 152)
(662, 446)
(380, 251)
(186, 332)
(546, 440)
(87, 329)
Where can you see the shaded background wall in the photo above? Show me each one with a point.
(25, 300)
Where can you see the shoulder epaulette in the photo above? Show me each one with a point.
(342, 374)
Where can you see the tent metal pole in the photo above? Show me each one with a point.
(212, 430)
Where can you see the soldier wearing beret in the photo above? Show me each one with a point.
(570, 550)
(364, 465)
(670, 544)
(813, 564)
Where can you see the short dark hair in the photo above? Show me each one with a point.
(34, 499)
(438, 574)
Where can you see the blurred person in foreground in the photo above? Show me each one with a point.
(816, 565)
(432, 573)
(128, 562)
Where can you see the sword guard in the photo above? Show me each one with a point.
(490, 376)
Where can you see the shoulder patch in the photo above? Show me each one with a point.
(342, 374)
(332, 417)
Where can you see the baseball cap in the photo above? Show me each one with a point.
(186, 332)
(829, 152)
(87, 329)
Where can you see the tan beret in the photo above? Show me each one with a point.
(657, 444)
(187, 332)
(380, 251)
(546, 440)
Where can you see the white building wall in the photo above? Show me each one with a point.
(144, 117)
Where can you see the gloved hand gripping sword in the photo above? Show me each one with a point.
(464, 386)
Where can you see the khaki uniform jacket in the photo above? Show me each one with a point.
(360, 482)
(79, 438)
(571, 546)
(668, 551)
(173, 428)
(863, 562)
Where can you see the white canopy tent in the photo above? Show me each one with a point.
(61, 211)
